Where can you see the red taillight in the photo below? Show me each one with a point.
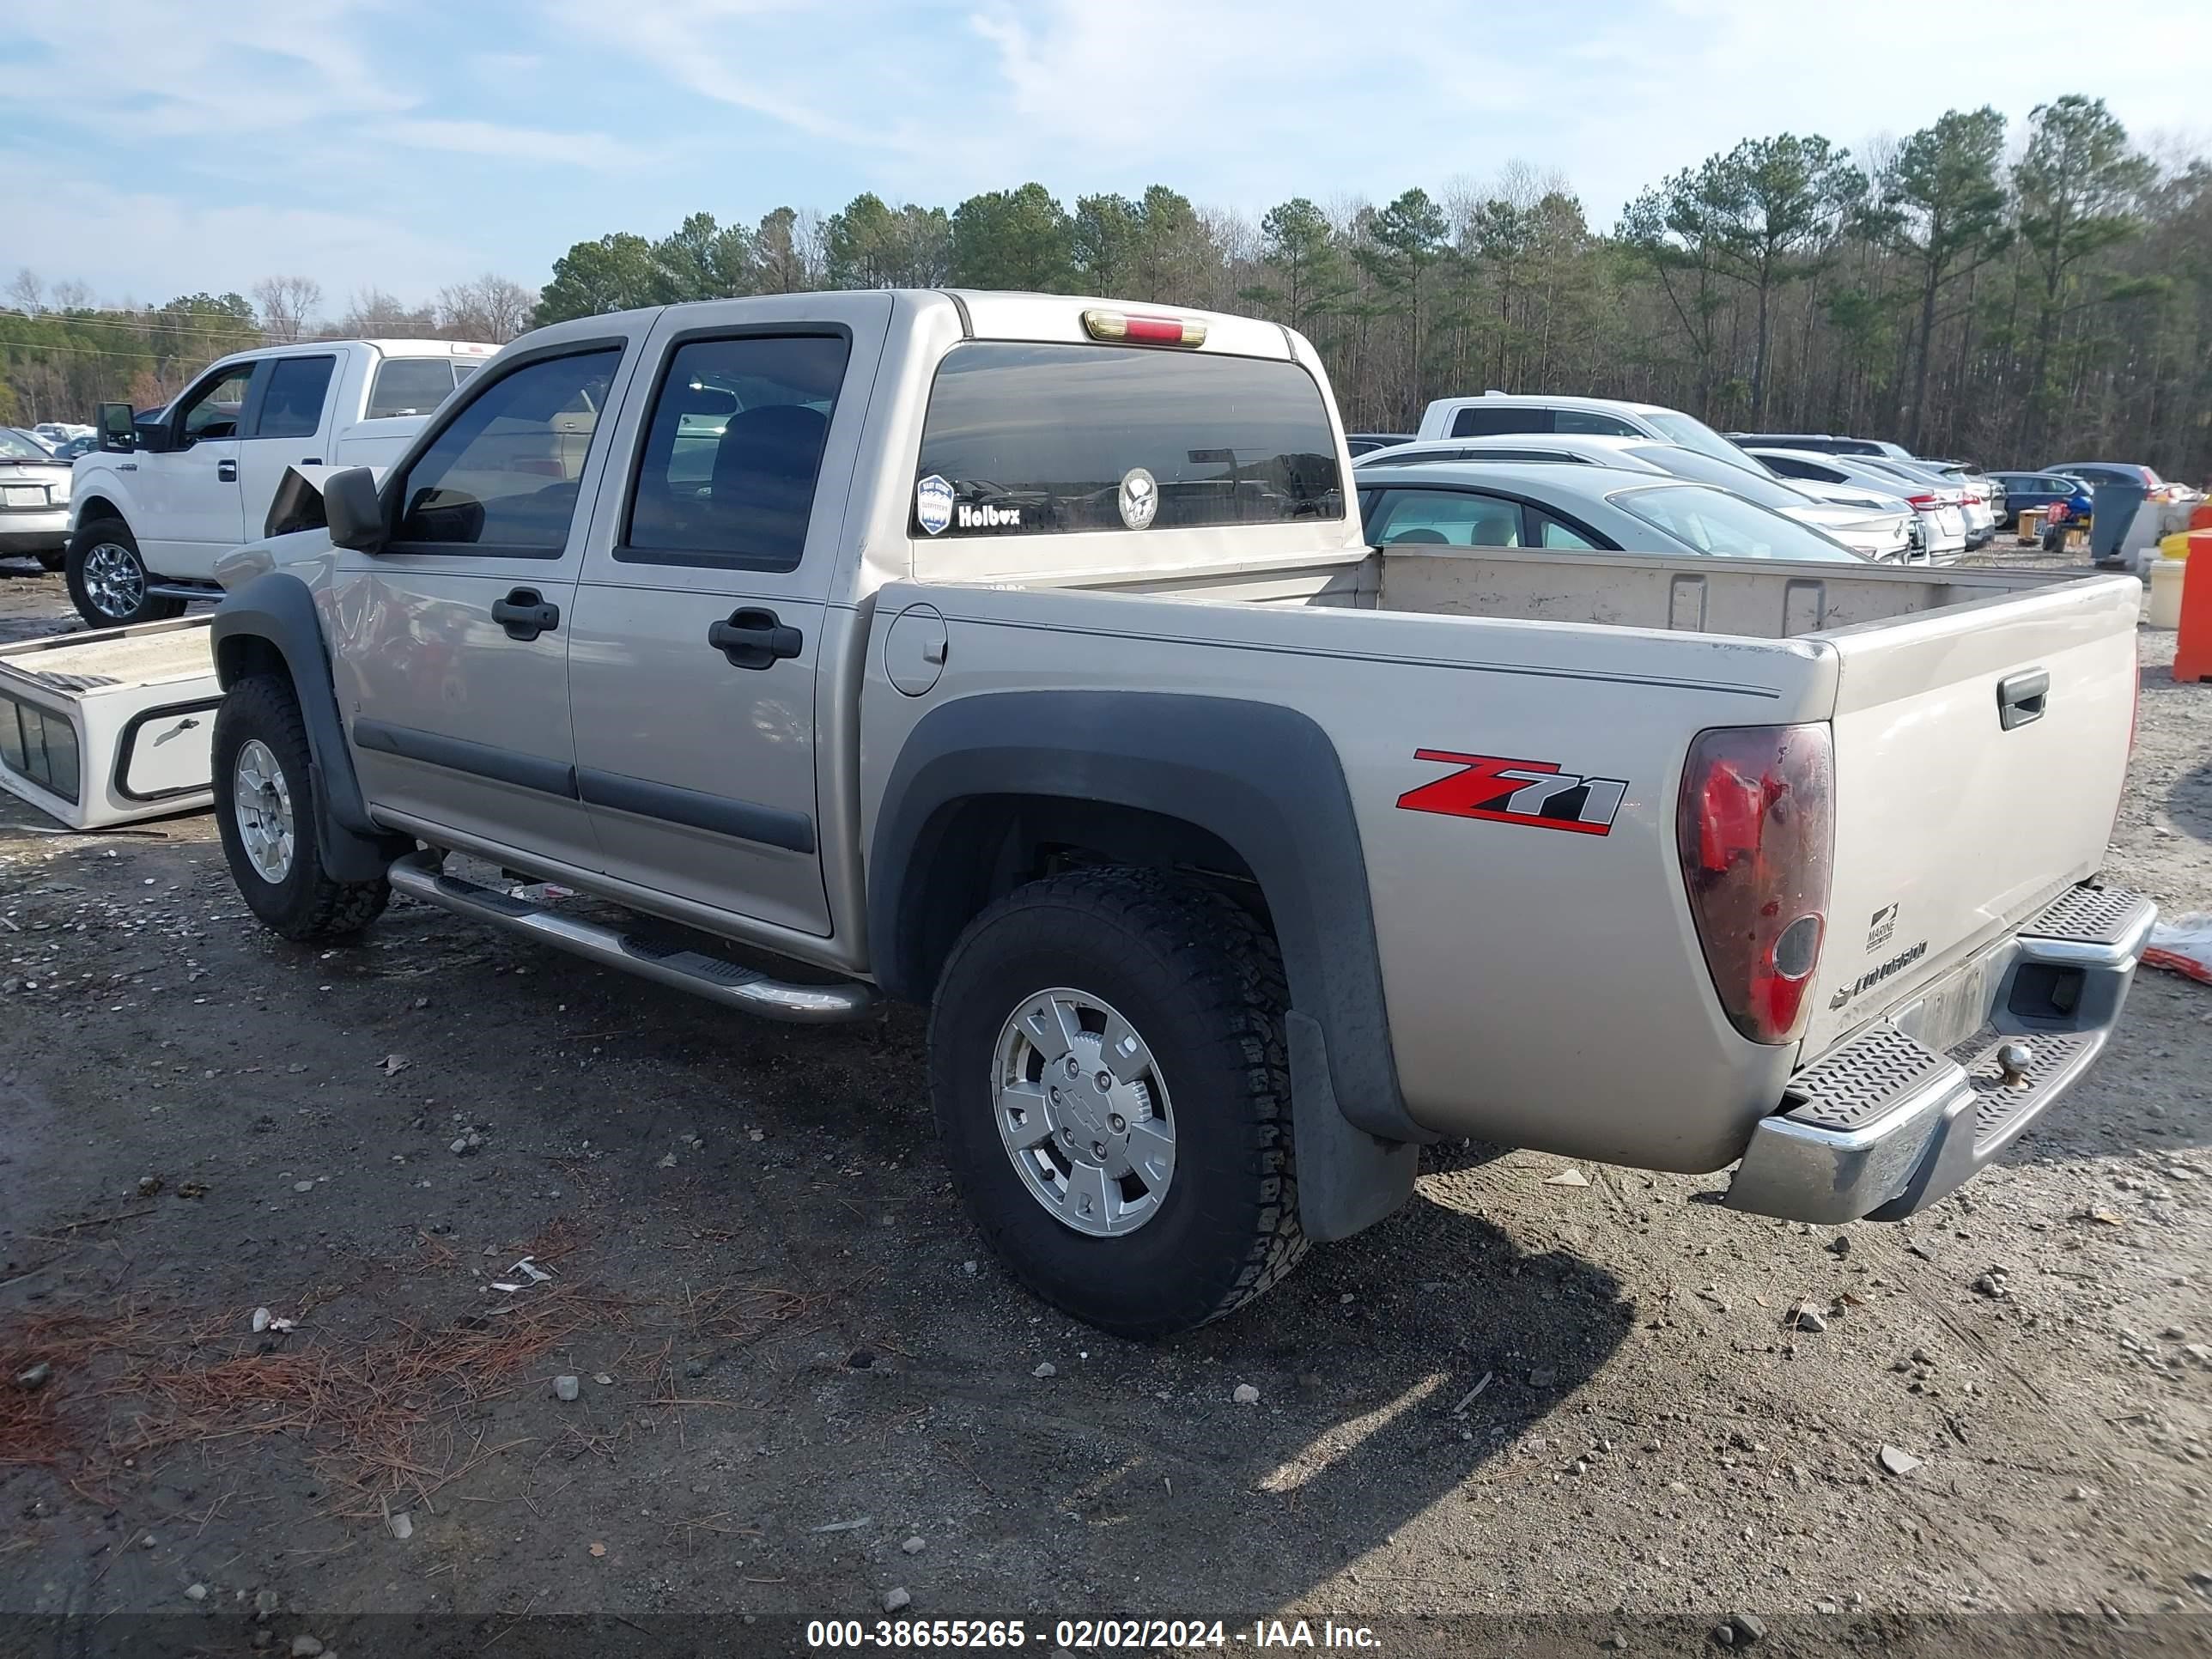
(1925, 503)
(1103, 324)
(1754, 829)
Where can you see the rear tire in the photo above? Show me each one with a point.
(108, 578)
(266, 811)
(1200, 984)
(53, 561)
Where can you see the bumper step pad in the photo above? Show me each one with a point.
(1999, 1104)
(1871, 1076)
(2089, 915)
(1885, 1126)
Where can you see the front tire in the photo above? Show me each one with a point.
(265, 809)
(108, 579)
(1108, 1065)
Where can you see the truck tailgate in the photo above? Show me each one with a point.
(1980, 753)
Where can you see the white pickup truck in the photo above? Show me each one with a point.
(1022, 656)
(167, 495)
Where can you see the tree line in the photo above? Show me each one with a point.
(61, 353)
(1954, 290)
(2011, 297)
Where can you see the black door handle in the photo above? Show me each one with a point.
(753, 638)
(2021, 698)
(226, 472)
(525, 614)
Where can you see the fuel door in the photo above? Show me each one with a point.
(913, 649)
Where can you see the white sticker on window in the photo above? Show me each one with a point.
(932, 503)
(1139, 498)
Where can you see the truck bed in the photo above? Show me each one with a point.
(1951, 827)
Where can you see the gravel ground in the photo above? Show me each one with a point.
(802, 1388)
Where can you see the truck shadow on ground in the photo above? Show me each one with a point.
(2189, 803)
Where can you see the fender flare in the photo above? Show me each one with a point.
(1265, 780)
(276, 609)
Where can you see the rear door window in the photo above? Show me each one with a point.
(292, 407)
(1498, 420)
(732, 452)
(1443, 518)
(1025, 440)
(501, 478)
(1552, 533)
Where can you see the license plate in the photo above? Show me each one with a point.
(24, 495)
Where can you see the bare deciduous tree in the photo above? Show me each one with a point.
(25, 291)
(373, 314)
(490, 308)
(286, 304)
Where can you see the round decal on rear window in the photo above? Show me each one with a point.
(1141, 498)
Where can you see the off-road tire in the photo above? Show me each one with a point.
(1203, 983)
(91, 534)
(307, 904)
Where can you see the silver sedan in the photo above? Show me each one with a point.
(1869, 528)
(1585, 508)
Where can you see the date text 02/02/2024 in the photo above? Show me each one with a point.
(1089, 1635)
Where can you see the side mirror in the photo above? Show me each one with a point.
(117, 435)
(353, 510)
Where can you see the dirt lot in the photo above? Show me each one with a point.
(803, 1386)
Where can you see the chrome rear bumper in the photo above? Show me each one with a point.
(1888, 1123)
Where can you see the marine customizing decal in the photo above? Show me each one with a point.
(1880, 929)
(1139, 498)
(932, 504)
(1533, 793)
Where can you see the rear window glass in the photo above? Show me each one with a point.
(409, 386)
(1499, 419)
(1724, 475)
(1037, 439)
(39, 746)
(1711, 521)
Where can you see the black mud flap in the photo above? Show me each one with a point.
(1348, 1179)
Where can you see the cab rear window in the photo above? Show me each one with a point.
(1026, 439)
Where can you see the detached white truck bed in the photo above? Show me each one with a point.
(109, 727)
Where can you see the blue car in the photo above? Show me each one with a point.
(2024, 489)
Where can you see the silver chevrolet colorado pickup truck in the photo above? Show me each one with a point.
(1022, 656)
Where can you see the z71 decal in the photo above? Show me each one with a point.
(1533, 793)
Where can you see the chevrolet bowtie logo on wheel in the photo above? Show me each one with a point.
(1533, 793)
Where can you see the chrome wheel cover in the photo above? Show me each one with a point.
(262, 803)
(1083, 1112)
(114, 579)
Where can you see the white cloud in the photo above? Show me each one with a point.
(150, 247)
(1246, 101)
(594, 151)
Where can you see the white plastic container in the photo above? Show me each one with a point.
(111, 726)
(2166, 576)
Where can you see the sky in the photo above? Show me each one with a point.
(154, 148)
